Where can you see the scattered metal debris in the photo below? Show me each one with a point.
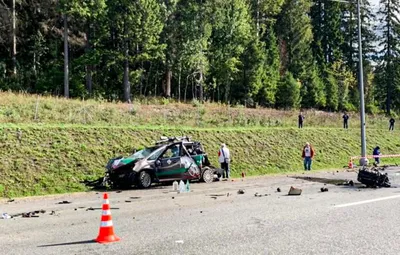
(323, 189)
(10, 200)
(241, 191)
(5, 216)
(128, 201)
(294, 191)
(260, 195)
(53, 213)
(373, 178)
(228, 194)
(173, 197)
(90, 209)
(278, 189)
(29, 215)
(217, 195)
(64, 202)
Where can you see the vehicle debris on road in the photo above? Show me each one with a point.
(372, 178)
(64, 202)
(260, 195)
(241, 191)
(5, 216)
(294, 191)
(278, 189)
(323, 189)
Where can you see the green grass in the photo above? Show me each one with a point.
(54, 159)
(67, 141)
(25, 108)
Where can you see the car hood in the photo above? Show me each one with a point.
(120, 161)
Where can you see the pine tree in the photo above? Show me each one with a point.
(295, 32)
(232, 32)
(288, 93)
(390, 48)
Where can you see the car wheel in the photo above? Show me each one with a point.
(208, 176)
(144, 180)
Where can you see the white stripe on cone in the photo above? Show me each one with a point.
(106, 212)
(106, 223)
(106, 201)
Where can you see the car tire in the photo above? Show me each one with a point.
(144, 180)
(207, 176)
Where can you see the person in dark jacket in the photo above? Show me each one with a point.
(377, 152)
(301, 119)
(391, 122)
(346, 120)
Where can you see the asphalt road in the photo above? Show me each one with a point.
(344, 220)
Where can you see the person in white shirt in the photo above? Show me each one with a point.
(224, 160)
(308, 155)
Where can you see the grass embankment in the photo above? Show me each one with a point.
(24, 108)
(51, 159)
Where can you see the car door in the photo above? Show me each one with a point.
(170, 166)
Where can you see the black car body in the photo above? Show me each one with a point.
(170, 159)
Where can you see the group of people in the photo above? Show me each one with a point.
(224, 158)
(346, 118)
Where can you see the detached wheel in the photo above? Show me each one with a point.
(144, 180)
(208, 176)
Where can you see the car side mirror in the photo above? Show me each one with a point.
(158, 163)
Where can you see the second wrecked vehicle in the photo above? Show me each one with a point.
(170, 159)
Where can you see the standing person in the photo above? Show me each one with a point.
(377, 152)
(308, 155)
(391, 122)
(346, 120)
(224, 160)
(301, 119)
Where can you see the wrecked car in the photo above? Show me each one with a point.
(169, 159)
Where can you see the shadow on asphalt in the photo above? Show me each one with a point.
(69, 243)
(338, 182)
(96, 185)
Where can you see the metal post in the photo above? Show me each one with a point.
(14, 40)
(66, 70)
(363, 160)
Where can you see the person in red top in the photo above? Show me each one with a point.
(308, 155)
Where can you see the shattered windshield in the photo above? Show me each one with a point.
(143, 153)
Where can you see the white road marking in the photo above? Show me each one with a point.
(367, 201)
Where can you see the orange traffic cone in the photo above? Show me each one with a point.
(106, 232)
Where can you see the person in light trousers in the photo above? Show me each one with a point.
(224, 159)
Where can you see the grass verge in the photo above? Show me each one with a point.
(53, 159)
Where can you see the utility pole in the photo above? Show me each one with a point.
(363, 160)
(66, 70)
(14, 41)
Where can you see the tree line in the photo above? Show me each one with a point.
(272, 53)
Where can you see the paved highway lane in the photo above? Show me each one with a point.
(344, 220)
